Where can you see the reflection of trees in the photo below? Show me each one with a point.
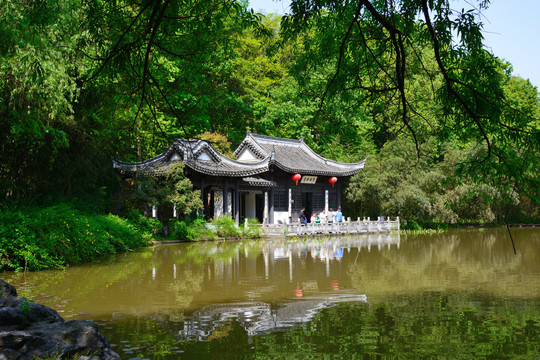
(201, 253)
(426, 326)
(184, 289)
(78, 283)
(137, 337)
(481, 261)
(140, 282)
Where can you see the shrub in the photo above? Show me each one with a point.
(143, 223)
(226, 227)
(191, 229)
(34, 238)
(253, 229)
(411, 225)
(179, 229)
(199, 230)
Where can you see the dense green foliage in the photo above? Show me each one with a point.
(450, 135)
(34, 238)
(168, 188)
(224, 227)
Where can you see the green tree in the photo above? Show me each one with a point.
(39, 72)
(381, 47)
(169, 187)
(218, 142)
(168, 63)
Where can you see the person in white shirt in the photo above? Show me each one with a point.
(330, 216)
(322, 216)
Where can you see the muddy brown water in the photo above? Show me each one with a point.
(454, 294)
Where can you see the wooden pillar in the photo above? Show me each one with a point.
(265, 211)
(271, 212)
(338, 189)
(326, 202)
(237, 202)
(225, 199)
(289, 190)
(212, 204)
(202, 198)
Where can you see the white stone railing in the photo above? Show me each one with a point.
(345, 227)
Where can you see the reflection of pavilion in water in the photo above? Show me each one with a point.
(259, 317)
(325, 250)
(307, 292)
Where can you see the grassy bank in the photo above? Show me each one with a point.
(36, 238)
(66, 233)
(411, 224)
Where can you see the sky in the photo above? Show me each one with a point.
(511, 31)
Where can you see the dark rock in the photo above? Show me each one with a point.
(29, 330)
(43, 314)
(10, 318)
(8, 293)
(9, 354)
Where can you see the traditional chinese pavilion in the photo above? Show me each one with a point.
(271, 180)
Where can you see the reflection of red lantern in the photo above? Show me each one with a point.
(296, 177)
(332, 180)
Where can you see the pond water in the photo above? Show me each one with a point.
(456, 294)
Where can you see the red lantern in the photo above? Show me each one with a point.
(296, 177)
(332, 180)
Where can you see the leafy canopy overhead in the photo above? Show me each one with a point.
(381, 47)
(81, 80)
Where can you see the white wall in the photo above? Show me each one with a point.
(250, 205)
(281, 215)
(218, 203)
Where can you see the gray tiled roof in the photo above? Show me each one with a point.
(198, 155)
(292, 156)
(295, 156)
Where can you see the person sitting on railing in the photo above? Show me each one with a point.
(339, 215)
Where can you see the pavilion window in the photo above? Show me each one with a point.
(318, 200)
(281, 200)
